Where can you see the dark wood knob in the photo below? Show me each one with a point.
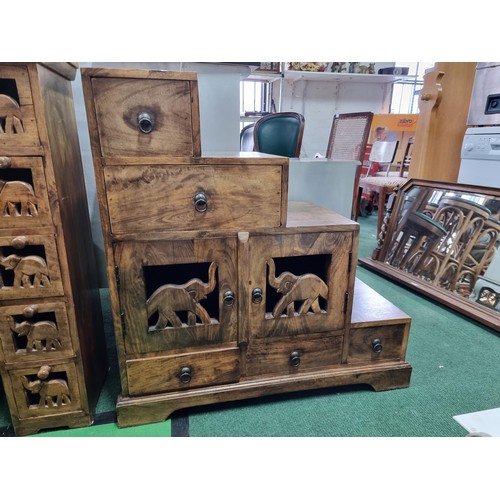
(186, 374)
(228, 298)
(145, 122)
(377, 345)
(257, 295)
(295, 358)
(200, 201)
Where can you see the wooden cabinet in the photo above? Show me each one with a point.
(220, 288)
(52, 350)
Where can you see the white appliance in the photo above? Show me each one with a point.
(480, 157)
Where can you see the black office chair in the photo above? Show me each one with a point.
(246, 138)
(279, 134)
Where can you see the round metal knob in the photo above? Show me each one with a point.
(30, 311)
(145, 122)
(200, 201)
(376, 345)
(19, 242)
(257, 295)
(186, 374)
(295, 358)
(228, 298)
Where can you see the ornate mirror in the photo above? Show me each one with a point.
(442, 240)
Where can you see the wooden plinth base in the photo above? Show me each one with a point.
(28, 426)
(156, 408)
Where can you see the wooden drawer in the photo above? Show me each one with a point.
(194, 197)
(46, 389)
(34, 331)
(145, 113)
(184, 371)
(29, 267)
(378, 343)
(17, 117)
(292, 356)
(23, 193)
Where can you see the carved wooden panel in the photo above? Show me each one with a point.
(23, 193)
(46, 389)
(296, 283)
(17, 118)
(175, 294)
(29, 267)
(34, 331)
(193, 197)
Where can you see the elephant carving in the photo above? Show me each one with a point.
(306, 288)
(10, 116)
(53, 392)
(30, 271)
(39, 336)
(17, 198)
(168, 300)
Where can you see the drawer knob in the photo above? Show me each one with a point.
(228, 298)
(295, 358)
(376, 345)
(186, 374)
(19, 242)
(30, 311)
(200, 201)
(5, 161)
(257, 295)
(44, 372)
(145, 122)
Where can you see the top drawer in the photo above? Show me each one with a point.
(143, 113)
(17, 117)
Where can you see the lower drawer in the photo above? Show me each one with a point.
(45, 389)
(378, 343)
(184, 371)
(289, 356)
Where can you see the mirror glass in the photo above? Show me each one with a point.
(442, 239)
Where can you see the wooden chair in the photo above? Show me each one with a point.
(380, 186)
(279, 134)
(347, 141)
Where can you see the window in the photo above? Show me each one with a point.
(405, 93)
(255, 100)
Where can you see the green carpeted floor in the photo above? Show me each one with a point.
(455, 366)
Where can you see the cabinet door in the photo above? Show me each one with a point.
(178, 293)
(294, 284)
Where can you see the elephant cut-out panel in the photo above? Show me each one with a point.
(50, 392)
(17, 193)
(11, 121)
(181, 296)
(23, 271)
(39, 335)
(297, 286)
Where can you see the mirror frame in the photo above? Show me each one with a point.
(376, 262)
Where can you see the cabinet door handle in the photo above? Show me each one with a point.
(186, 374)
(257, 295)
(377, 345)
(295, 358)
(145, 122)
(228, 298)
(200, 201)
